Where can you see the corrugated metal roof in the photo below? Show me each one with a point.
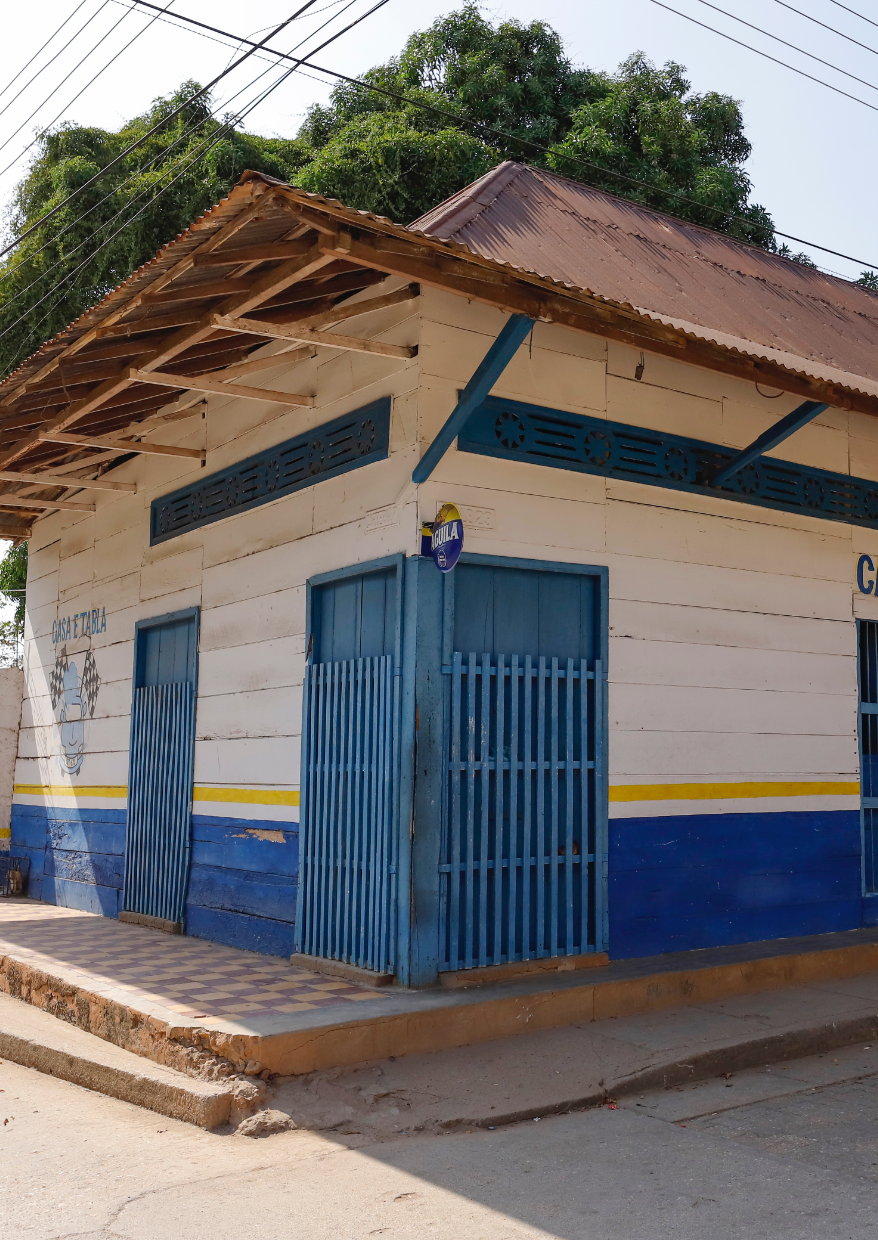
(707, 284)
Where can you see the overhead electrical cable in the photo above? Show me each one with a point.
(27, 65)
(527, 142)
(793, 47)
(853, 12)
(54, 57)
(190, 157)
(55, 89)
(831, 29)
(143, 167)
(249, 108)
(159, 125)
(766, 55)
(70, 103)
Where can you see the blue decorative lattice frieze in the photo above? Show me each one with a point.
(328, 450)
(517, 431)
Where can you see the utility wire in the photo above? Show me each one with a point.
(189, 156)
(91, 51)
(67, 19)
(853, 12)
(828, 64)
(111, 61)
(159, 125)
(773, 59)
(249, 108)
(54, 57)
(831, 29)
(526, 142)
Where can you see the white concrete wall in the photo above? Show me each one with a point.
(11, 688)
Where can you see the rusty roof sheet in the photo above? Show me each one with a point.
(691, 278)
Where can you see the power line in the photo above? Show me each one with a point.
(458, 119)
(164, 121)
(853, 12)
(828, 64)
(56, 55)
(117, 189)
(831, 29)
(773, 59)
(111, 61)
(65, 79)
(242, 116)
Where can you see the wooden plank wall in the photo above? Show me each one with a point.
(732, 636)
(248, 575)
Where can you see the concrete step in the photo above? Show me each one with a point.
(38, 1040)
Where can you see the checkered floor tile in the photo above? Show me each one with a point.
(191, 977)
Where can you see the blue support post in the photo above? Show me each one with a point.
(769, 439)
(489, 371)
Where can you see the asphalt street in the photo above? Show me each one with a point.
(790, 1150)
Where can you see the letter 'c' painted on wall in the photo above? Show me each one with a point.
(864, 563)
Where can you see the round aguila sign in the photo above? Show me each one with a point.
(446, 542)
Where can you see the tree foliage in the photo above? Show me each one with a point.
(475, 93)
(13, 579)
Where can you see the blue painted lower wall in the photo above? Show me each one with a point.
(242, 881)
(708, 880)
(675, 883)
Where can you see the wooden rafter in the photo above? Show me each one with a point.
(58, 480)
(201, 384)
(148, 449)
(327, 339)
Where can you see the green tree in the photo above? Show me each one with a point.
(376, 153)
(13, 580)
(462, 80)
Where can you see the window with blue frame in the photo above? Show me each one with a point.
(868, 659)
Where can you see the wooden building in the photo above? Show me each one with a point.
(627, 721)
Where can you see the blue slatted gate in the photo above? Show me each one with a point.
(350, 774)
(523, 854)
(157, 842)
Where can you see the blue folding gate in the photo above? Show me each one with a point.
(157, 842)
(350, 771)
(348, 873)
(522, 860)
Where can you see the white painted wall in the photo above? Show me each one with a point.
(733, 645)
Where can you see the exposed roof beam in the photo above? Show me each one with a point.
(198, 383)
(148, 449)
(292, 355)
(268, 252)
(57, 480)
(12, 501)
(351, 309)
(253, 327)
(197, 292)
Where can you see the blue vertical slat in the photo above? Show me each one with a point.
(600, 812)
(159, 800)
(516, 853)
(585, 816)
(540, 944)
(529, 861)
(569, 759)
(554, 846)
(501, 848)
(456, 822)
(469, 862)
(480, 928)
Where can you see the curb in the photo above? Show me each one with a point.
(793, 1044)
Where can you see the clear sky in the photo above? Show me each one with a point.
(813, 162)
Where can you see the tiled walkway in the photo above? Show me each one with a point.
(191, 977)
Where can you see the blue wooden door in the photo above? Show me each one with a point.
(157, 845)
(522, 861)
(350, 772)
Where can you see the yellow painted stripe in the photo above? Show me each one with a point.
(5, 833)
(729, 792)
(68, 790)
(240, 796)
(247, 796)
